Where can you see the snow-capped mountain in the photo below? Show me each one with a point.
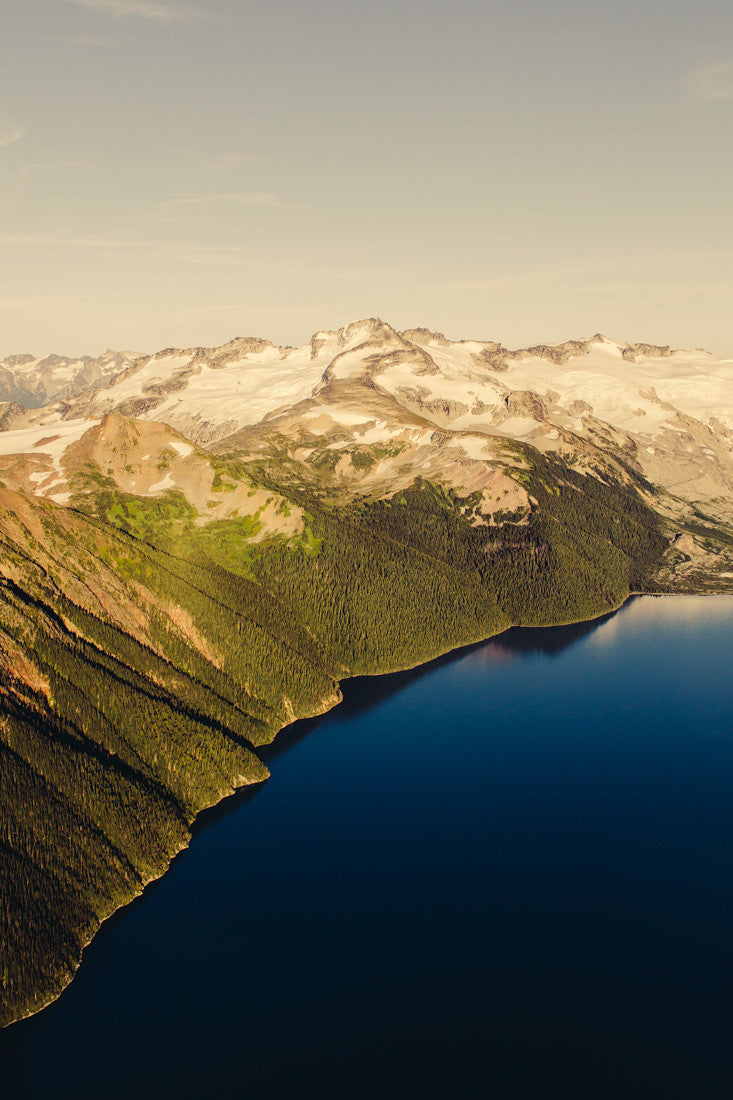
(32, 382)
(196, 547)
(443, 406)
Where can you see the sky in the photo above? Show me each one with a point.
(177, 174)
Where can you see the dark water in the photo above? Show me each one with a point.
(508, 874)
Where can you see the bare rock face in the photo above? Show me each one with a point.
(444, 407)
(418, 360)
(317, 343)
(499, 358)
(525, 403)
(425, 336)
(579, 408)
(139, 406)
(492, 355)
(558, 353)
(647, 351)
(719, 429)
(11, 415)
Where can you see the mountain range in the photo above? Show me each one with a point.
(199, 543)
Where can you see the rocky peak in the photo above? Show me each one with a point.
(19, 360)
(54, 360)
(367, 330)
(425, 336)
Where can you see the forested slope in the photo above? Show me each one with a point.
(142, 663)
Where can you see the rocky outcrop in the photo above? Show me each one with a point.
(556, 353)
(649, 351)
(492, 355)
(525, 403)
(425, 336)
(11, 415)
(498, 358)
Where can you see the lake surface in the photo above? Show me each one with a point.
(506, 874)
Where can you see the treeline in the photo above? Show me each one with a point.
(398, 580)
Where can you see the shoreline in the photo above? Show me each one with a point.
(331, 703)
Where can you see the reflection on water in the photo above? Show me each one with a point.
(550, 641)
(363, 693)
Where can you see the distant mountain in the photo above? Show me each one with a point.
(666, 413)
(32, 382)
(197, 545)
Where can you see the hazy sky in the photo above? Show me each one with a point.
(519, 170)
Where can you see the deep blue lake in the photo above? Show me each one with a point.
(506, 874)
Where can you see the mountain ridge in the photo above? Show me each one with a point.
(670, 410)
(196, 549)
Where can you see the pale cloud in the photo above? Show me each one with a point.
(145, 9)
(10, 132)
(712, 82)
